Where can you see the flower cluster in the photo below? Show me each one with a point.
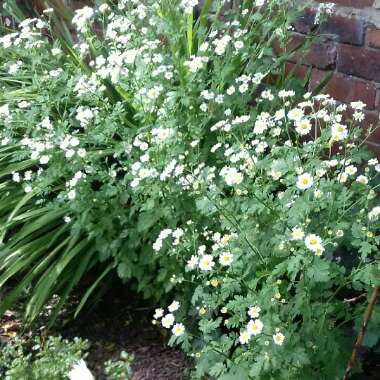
(164, 150)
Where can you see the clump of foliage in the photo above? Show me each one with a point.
(166, 144)
(119, 369)
(55, 359)
(50, 360)
(73, 116)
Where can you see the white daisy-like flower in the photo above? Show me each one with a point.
(254, 312)
(168, 321)
(226, 259)
(297, 233)
(362, 179)
(359, 105)
(313, 242)
(296, 114)
(278, 338)
(255, 327)
(158, 313)
(342, 177)
(174, 306)
(318, 250)
(44, 159)
(304, 181)
(206, 263)
(351, 170)
(374, 213)
(339, 132)
(231, 176)
(244, 337)
(178, 329)
(192, 262)
(303, 127)
(71, 194)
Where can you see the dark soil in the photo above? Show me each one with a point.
(117, 324)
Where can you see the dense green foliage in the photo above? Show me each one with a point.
(55, 359)
(168, 146)
(51, 360)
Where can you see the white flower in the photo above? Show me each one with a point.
(71, 194)
(239, 45)
(174, 306)
(362, 179)
(168, 321)
(374, 213)
(339, 132)
(44, 159)
(313, 242)
(255, 327)
(231, 90)
(297, 233)
(342, 177)
(4, 111)
(80, 372)
(303, 127)
(278, 339)
(318, 250)
(243, 88)
(158, 313)
(46, 123)
(192, 262)
(206, 262)
(178, 329)
(221, 44)
(304, 181)
(231, 176)
(81, 17)
(162, 134)
(244, 337)
(103, 7)
(254, 311)
(350, 170)
(260, 126)
(226, 259)
(84, 115)
(296, 114)
(357, 105)
(195, 63)
(259, 3)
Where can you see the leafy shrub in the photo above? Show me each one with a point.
(175, 151)
(51, 360)
(75, 118)
(55, 359)
(119, 369)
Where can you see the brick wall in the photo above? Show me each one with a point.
(350, 51)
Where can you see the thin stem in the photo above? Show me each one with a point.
(359, 339)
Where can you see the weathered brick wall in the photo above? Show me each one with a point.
(350, 51)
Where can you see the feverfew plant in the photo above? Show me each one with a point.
(168, 146)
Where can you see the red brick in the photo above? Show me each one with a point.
(375, 147)
(345, 88)
(343, 29)
(372, 120)
(373, 37)
(377, 102)
(299, 72)
(350, 3)
(321, 55)
(359, 61)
